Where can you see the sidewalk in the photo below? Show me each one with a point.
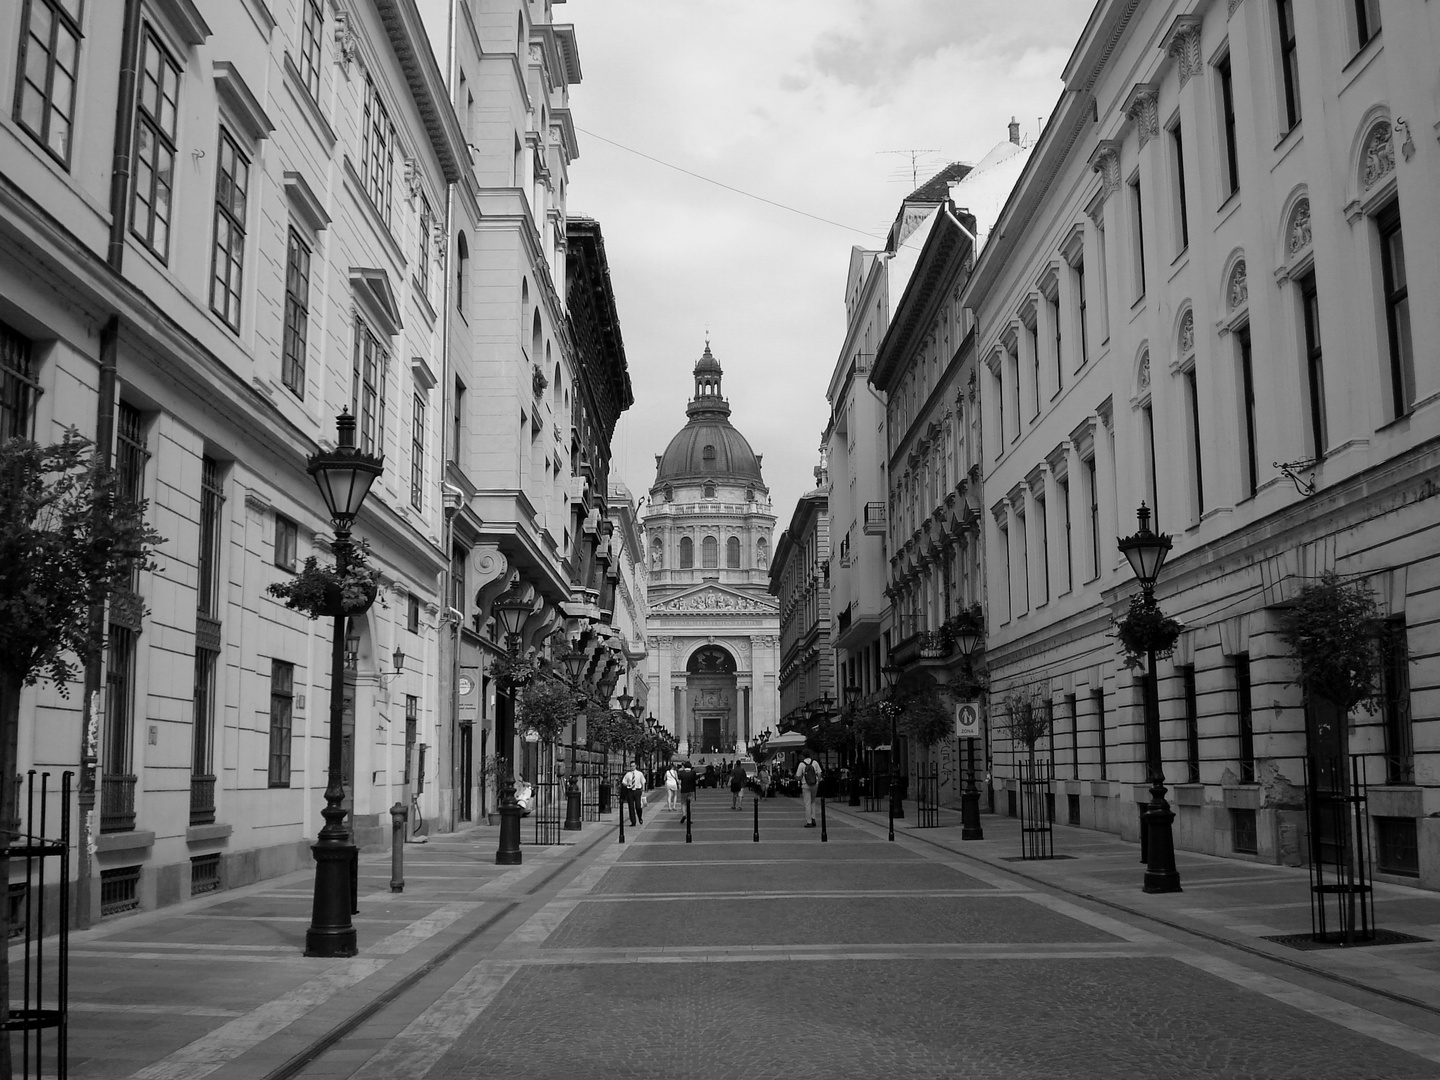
(219, 986)
(1230, 901)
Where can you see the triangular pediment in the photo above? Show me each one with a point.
(712, 597)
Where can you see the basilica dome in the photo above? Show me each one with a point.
(708, 448)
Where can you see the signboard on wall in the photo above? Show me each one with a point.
(967, 719)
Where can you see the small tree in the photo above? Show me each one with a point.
(67, 542)
(545, 706)
(926, 718)
(1331, 630)
(1027, 719)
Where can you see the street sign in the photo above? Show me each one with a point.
(967, 719)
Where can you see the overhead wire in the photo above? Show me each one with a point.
(722, 184)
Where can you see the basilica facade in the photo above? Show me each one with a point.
(713, 627)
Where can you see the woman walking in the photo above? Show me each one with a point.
(672, 787)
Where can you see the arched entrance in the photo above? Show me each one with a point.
(710, 686)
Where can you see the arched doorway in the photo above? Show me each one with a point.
(710, 686)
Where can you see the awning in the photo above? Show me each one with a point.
(791, 740)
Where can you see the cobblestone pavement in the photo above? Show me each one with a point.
(852, 957)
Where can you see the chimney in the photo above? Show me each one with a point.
(1014, 131)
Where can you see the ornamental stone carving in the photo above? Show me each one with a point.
(1187, 334)
(344, 41)
(1145, 371)
(1237, 293)
(1106, 161)
(1142, 107)
(1300, 227)
(1183, 43)
(1379, 156)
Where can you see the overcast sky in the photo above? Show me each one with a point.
(796, 101)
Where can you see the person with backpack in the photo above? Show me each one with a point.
(633, 785)
(808, 773)
(687, 787)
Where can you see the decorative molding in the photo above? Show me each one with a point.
(1143, 377)
(1233, 5)
(1298, 236)
(305, 203)
(257, 502)
(1142, 107)
(1187, 333)
(412, 178)
(1183, 43)
(1237, 289)
(241, 105)
(1379, 155)
(1105, 160)
(346, 42)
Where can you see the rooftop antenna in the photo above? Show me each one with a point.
(914, 162)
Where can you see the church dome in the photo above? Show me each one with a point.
(708, 447)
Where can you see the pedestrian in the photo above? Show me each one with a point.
(633, 784)
(737, 785)
(762, 777)
(808, 773)
(672, 786)
(687, 787)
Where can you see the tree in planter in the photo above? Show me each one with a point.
(68, 541)
(1028, 719)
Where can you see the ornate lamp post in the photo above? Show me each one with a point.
(635, 710)
(1146, 551)
(968, 639)
(897, 808)
(575, 662)
(852, 699)
(344, 476)
(511, 609)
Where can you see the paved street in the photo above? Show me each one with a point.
(727, 958)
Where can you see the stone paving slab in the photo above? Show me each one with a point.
(692, 852)
(637, 877)
(1091, 1019)
(816, 921)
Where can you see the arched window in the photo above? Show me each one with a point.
(524, 300)
(762, 553)
(556, 388)
(657, 553)
(710, 553)
(707, 457)
(732, 553)
(535, 337)
(687, 553)
(462, 272)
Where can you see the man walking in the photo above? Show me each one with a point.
(808, 774)
(633, 784)
(687, 787)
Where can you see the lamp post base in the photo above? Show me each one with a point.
(1161, 875)
(572, 805)
(508, 853)
(970, 827)
(331, 933)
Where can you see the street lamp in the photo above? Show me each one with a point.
(852, 699)
(968, 640)
(511, 608)
(897, 808)
(1146, 551)
(575, 663)
(344, 476)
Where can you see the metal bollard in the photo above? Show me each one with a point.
(824, 833)
(398, 815)
(689, 813)
(354, 880)
(757, 819)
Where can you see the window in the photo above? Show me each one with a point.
(417, 452)
(1192, 400)
(1192, 724)
(1289, 62)
(709, 553)
(119, 699)
(1367, 21)
(18, 385)
(297, 314)
(422, 253)
(1314, 369)
(412, 613)
(1245, 718)
(1065, 522)
(687, 553)
(1034, 334)
(378, 136)
(49, 60)
(155, 119)
(462, 272)
(1395, 704)
(312, 25)
(212, 501)
(1231, 177)
(709, 491)
(1097, 699)
(130, 458)
(459, 591)
(1042, 524)
(282, 704)
(1244, 839)
(1396, 847)
(1104, 278)
(412, 731)
(1080, 305)
(1059, 350)
(202, 796)
(287, 535)
(1147, 432)
(1397, 309)
(1137, 217)
(458, 420)
(1182, 211)
(367, 397)
(732, 553)
(1022, 537)
(1092, 488)
(1072, 710)
(227, 258)
(1250, 464)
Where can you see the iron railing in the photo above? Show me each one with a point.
(1037, 810)
(927, 796)
(117, 803)
(1342, 903)
(202, 800)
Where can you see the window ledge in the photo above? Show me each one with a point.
(1228, 207)
(1364, 55)
(1285, 135)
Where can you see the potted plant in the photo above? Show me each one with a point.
(545, 706)
(324, 592)
(1145, 629)
(491, 767)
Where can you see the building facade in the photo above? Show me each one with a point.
(800, 581)
(713, 627)
(1279, 423)
(216, 233)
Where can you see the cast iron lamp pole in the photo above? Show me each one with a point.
(897, 808)
(575, 662)
(852, 698)
(1146, 551)
(970, 827)
(511, 610)
(344, 476)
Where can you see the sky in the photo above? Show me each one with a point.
(803, 103)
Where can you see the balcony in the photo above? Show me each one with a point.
(875, 519)
(925, 645)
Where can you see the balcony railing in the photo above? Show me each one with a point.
(117, 803)
(202, 800)
(924, 645)
(874, 519)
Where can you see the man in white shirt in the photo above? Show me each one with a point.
(633, 785)
(808, 773)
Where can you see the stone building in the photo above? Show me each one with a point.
(1198, 298)
(800, 581)
(201, 267)
(713, 628)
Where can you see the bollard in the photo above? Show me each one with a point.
(824, 833)
(620, 816)
(689, 813)
(398, 814)
(757, 819)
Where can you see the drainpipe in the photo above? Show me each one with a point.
(104, 439)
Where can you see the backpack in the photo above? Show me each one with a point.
(812, 774)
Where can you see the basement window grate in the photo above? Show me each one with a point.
(205, 874)
(119, 890)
